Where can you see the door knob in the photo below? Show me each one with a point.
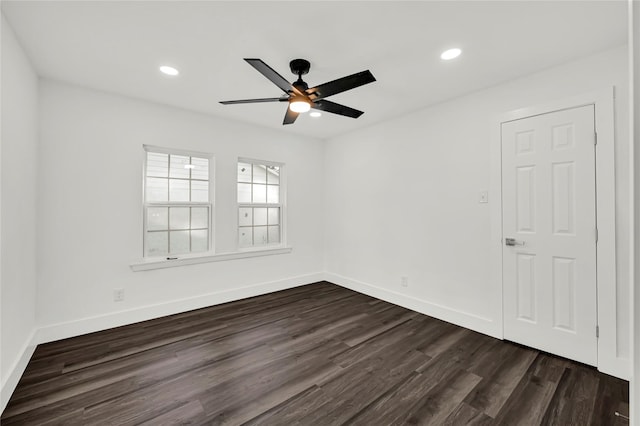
(513, 242)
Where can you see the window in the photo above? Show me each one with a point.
(259, 203)
(177, 206)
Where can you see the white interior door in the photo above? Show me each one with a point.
(549, 233)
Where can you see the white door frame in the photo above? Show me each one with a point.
(603, 101)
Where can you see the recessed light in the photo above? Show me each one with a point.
(315, 114)
(165, 69)
(450, 54)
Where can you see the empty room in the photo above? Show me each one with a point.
(318, 213)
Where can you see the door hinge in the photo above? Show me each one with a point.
(595, 138)
(597, 331)
(596, 235)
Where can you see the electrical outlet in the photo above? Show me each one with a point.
(404, 281)
(484, 197)
(118, 294)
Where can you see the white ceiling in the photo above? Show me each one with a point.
(117, 46)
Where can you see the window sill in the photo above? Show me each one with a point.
(146, 265)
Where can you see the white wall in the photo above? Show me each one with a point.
(402, 198)
(90, 213)
(18, 168)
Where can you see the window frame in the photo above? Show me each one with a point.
(281, 205)
(210, 204)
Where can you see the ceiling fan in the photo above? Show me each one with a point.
(301, 97)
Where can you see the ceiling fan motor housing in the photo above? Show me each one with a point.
(300, 85)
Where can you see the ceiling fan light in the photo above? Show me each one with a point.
(299, 105)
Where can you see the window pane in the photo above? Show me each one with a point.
(179, 217)
(259, 173)
(259, 216)
(259, 193)
(244, 172)
(274, 234)
(157, 164)
(179, 242)
(273, 194)
(260, 236)
(199, 191)
(199, 241)
(156, 243)
(156, 189)
(157, 218)
(245, 216)
(274, 216)
(200, 168)
(244, 237)
(273, 174)
(199, 217)
(178, 190)
(244, 192)
(178, 166)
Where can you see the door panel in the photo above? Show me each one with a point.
(526, 287)
(549, 209)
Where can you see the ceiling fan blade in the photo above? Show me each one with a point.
(290, 116)
(335, 108)
(340, 85)
(253, 101)
(273, 76)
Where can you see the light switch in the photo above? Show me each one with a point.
(484, 197)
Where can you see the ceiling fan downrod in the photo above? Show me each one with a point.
(300, 67)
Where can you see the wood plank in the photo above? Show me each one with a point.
(294, 409)
(610, 397)
(189, 413)
(438, 404)
(391, 407)
(574, 399)
(465, 414)
(493, 391)
(376, 330)
(537, 389)
(349, 396)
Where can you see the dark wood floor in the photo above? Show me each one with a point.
(313, 355)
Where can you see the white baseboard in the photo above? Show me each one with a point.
(463, 319)
(74, 328)
(17, 369)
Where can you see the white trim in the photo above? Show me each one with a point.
(17, 370)
(116, 319)
(608, 360)
(634, 189)
(178, 151)
(259, 162)
(151, 263)
(495, 221)
(463, 319)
